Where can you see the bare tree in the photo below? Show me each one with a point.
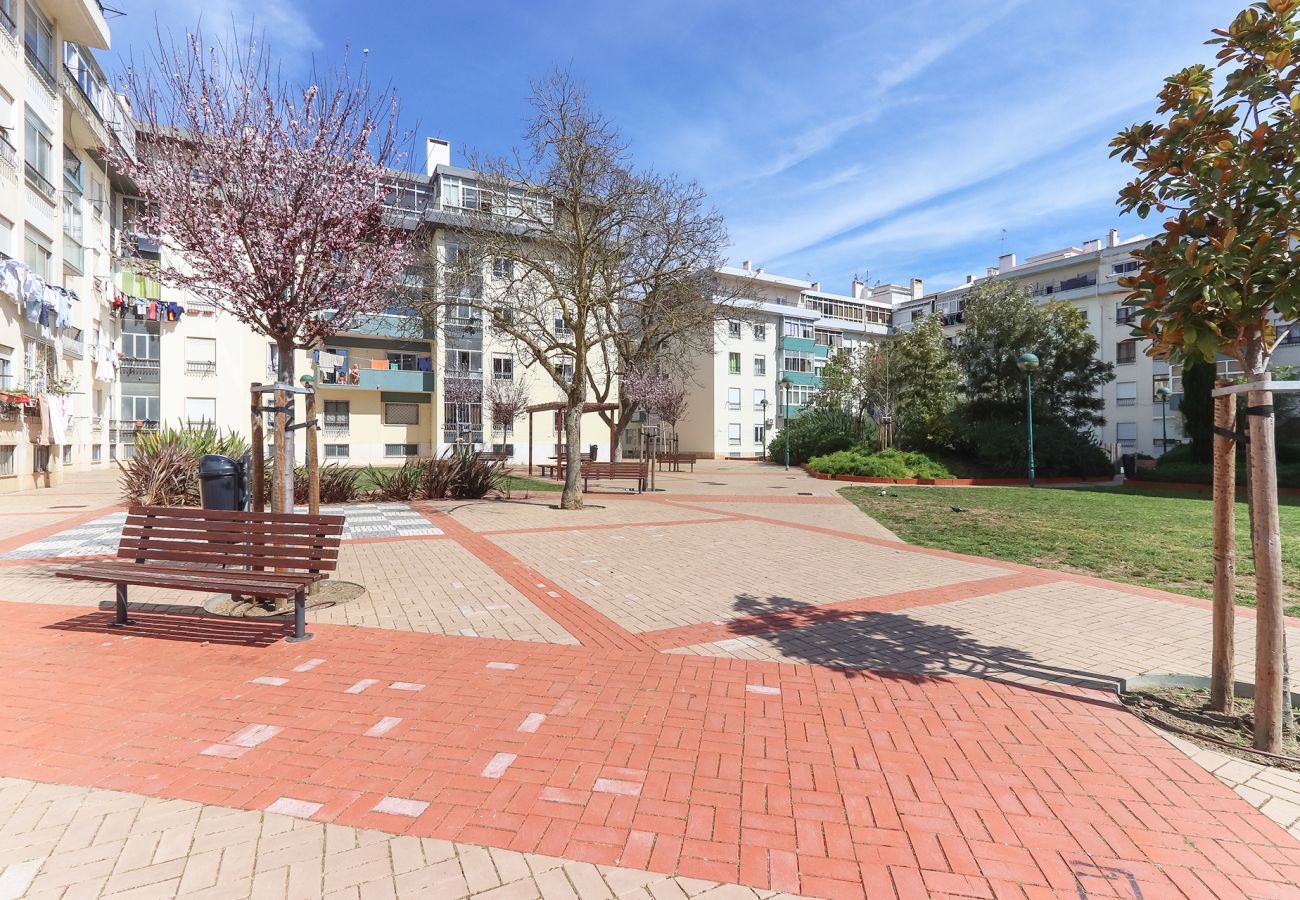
(569, 248)
(266, 196)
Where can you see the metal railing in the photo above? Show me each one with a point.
(8, 152)
(41, 67)
(38, 181)
(193, 367)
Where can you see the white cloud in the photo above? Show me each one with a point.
(283, 26)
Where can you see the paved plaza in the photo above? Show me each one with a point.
(738, 686)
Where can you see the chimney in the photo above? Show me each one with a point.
(437, 152)
(991, 271)
(1006, 262)
(918, 288)
(970, 279)
(858, 293)
(758, 271)
(816, 285)
(745, 265)
(1112, 239)
(1092, 246)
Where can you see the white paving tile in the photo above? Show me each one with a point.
(614, 786)
(761, 689)
(406, 686)
(362, 685)
(383, 726)
(497, 766)
(287, 806)
(397, 806)
(17, 878)
(509, 667)
(532, 722)
(268, 679)
(308, 665)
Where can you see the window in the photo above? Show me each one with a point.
(733, 329)
(1124, 314)
(760, 432)
(1126, 433)
(338, 414)
(6, 368)
(1126, 352)
(503, 367)
(140, 345)
(562, 327)
(401, 449)
(401, 414)
(7, 18)
(337, 451)
(760, 398)
(565, 365)
(200, 409)
(760, 332)
(38, 252)
(733, 434)
(140, 409)
(96, 453)
(797, 328)
(67, 454)
(463, 360)
(6, 237)
(38, 152)
(6, 460)
(733, 398)
(405, 362)
(799, 361)
(273, 361)
(1125, 267)
(200, 356)
(503, 269)
(38, 40)
(760, 365)
(733, 363)
(1126, 393)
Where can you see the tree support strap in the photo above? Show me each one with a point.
(1239, 437)
(1265, 411)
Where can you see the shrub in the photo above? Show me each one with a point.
(164, 470)
(999, 446)
(814, 432)
(458, 474)
(885, 464)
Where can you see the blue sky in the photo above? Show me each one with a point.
(891, 140)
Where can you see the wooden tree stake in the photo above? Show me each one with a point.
(1225, 550)
(1267, 541)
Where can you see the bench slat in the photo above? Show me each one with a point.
(224, 581)
(248, 516)
(219, 558)
(189, 570)
(225, 527)
(228, 537)
(270, 551)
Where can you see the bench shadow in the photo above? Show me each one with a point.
(894, 643)
(186, 624)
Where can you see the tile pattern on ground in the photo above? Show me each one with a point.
(58, 841)
(100, 537)
(839, 784)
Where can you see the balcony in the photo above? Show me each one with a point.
(74, 343)
(101, 119)
(140, 368)
(40, 183)
(409, 381)
(41, 68)
(8, 152)
(392, 325)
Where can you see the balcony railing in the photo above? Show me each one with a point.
(7, 21)
(41, 67)
(8, 152)
(140, 365)
(193, 367)
(39, 182)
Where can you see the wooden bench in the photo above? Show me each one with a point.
(635, 470)
(676, 460)
(255, 554)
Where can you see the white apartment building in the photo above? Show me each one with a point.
(57, 116)
(784, 329)
(1087, 276)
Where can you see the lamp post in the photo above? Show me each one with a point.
(763, 403)
(786, 383)
(1028, 363)
(1163, 392)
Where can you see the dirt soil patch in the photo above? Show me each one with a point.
(1186, 712)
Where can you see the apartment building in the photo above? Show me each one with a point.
(766, 361)
(57, 329)
(1088, 277)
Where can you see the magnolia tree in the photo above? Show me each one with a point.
(266, 196)
(462, 390)
(1221, 163)
(657, 392)
(507, 401)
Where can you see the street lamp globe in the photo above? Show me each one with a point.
(1164, 392)
(1028, 362)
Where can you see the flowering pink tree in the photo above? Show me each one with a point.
(267, 198)
(461, 392)
(508, 401)
(654, 390)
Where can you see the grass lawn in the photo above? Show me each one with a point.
(1161, 539)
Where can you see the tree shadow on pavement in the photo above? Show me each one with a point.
(858, 642)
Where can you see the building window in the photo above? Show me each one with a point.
(200, 356)
(760, 365)
(38, 40)
(799, 361)
(565, 366)
(1125, 267)
(337, 451)
(96, 453)
(760, 432)
(1126, 393)
(503, 367)
(1126, 433)
(760, 398)
(797, 328)
(733, 363)
(1124, 314)
(733, 434)
(6, 460)
(463, 360)
(7, 17)
(338, 414)
(733, 398)
(38, 155)
(6, 368)
(401, 449)
(503, 269)
(733, 329)
(67, 454)
(39, 252)
(760, 332)
(201, 410)
(402, 414)
(273, 361)
(140, 409)
(1126, 352)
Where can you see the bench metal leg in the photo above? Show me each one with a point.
(121, 619)
(299, 618)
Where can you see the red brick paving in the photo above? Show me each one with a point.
(839, 785)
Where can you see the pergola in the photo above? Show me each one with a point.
(559, 406)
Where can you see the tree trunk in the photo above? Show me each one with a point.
(1225, 551)
(1267, 541)
(571, 498)
(282, 486)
